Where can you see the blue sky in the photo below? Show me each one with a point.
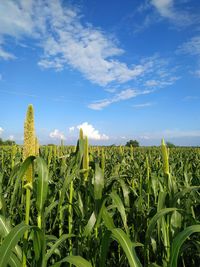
(119, 69)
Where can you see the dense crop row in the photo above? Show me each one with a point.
(99, 206)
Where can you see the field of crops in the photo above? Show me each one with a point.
(98, 206)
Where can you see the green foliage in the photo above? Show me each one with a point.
(133, 143)
(7, 142)
(137, 207)
(170, 145)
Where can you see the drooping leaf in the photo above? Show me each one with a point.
(154, 220)
(128, 247)
(77, 261)
(179, 240)
(10, 242)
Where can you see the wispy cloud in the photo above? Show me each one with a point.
(143, 105)
(179, 15)
(164, 81)
(1, 130)
(123, 95)
(67, 41)
(5, 55)
(89, 131)
(86, 49)
(56, 134)
(164, 7)
(191, 47)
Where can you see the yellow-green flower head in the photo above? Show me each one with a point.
(29, 134)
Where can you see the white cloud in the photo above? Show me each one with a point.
(1, 130)
(71, 129)
(143, 105)
(123, 95)
(164, 81)
(56, 134)
(11, 137)
(151, 83)
(178, 15)
(16, 17)
(5, 55)
(67, 41)
(91, 132)
(191, 47)
(164, 7)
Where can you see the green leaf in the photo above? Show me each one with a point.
(107, 218)
(50, 207)
(125, 191)
(77, 261)
(128, 247)
(56, 245)
(5, 229)
(24, 167)
(154, 220)
(14, 261)
(42, 183)
(119, 205)
(90, 225)
(98, 182)
(38, 242)
(10, 242)
(105, 243)
(161, 205)
(179, 240)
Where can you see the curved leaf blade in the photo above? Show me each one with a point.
(11, 241)
(122, 238)
(77, 261)
(179, 240)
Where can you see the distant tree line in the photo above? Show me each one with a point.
(133, 143)
(6, 142)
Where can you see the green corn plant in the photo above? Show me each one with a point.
(165, 156)
(103, 160)
(37, 147)
(85, 159)
(13, 153)
(28, 150)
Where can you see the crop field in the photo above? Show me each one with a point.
(98, 206)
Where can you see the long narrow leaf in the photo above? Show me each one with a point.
(154, 220)
(10, 242)
(56, 245)
(127, 246)
(179, 240)
(77, 261)
(42, 183)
